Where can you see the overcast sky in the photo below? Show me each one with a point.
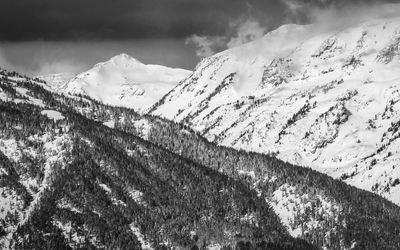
(49, 36)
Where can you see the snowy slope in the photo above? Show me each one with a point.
(327, 100)
(124, 81)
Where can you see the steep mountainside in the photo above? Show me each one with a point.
(328, 100)
(199, 193)
(124, 81)
(69, 182)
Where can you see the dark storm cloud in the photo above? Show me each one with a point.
(120, 19)
(22, 20)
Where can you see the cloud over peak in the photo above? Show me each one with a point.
(239, 32)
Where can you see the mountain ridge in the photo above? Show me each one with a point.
(326, 100)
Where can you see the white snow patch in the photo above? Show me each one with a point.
(52, 114)
(110, 123)
(10, 148)
(214, 247)
(3, 97)
(105, 188)
(143, 127)
(287, 204)
(63, 203)
(136, 195)
(112, 197)
(144, 244)
(247, 173)
(32, 100)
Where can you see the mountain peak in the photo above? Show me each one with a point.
(125, 81)
(124, 59)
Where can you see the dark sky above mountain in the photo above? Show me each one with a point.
(55, 30)
(24, 20)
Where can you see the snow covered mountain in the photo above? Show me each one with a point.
(329, 100)
(124, 81)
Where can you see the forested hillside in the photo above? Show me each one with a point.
(76, 173)
(70, 182)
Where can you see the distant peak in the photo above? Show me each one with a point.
(122, 55)
(123, 59)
